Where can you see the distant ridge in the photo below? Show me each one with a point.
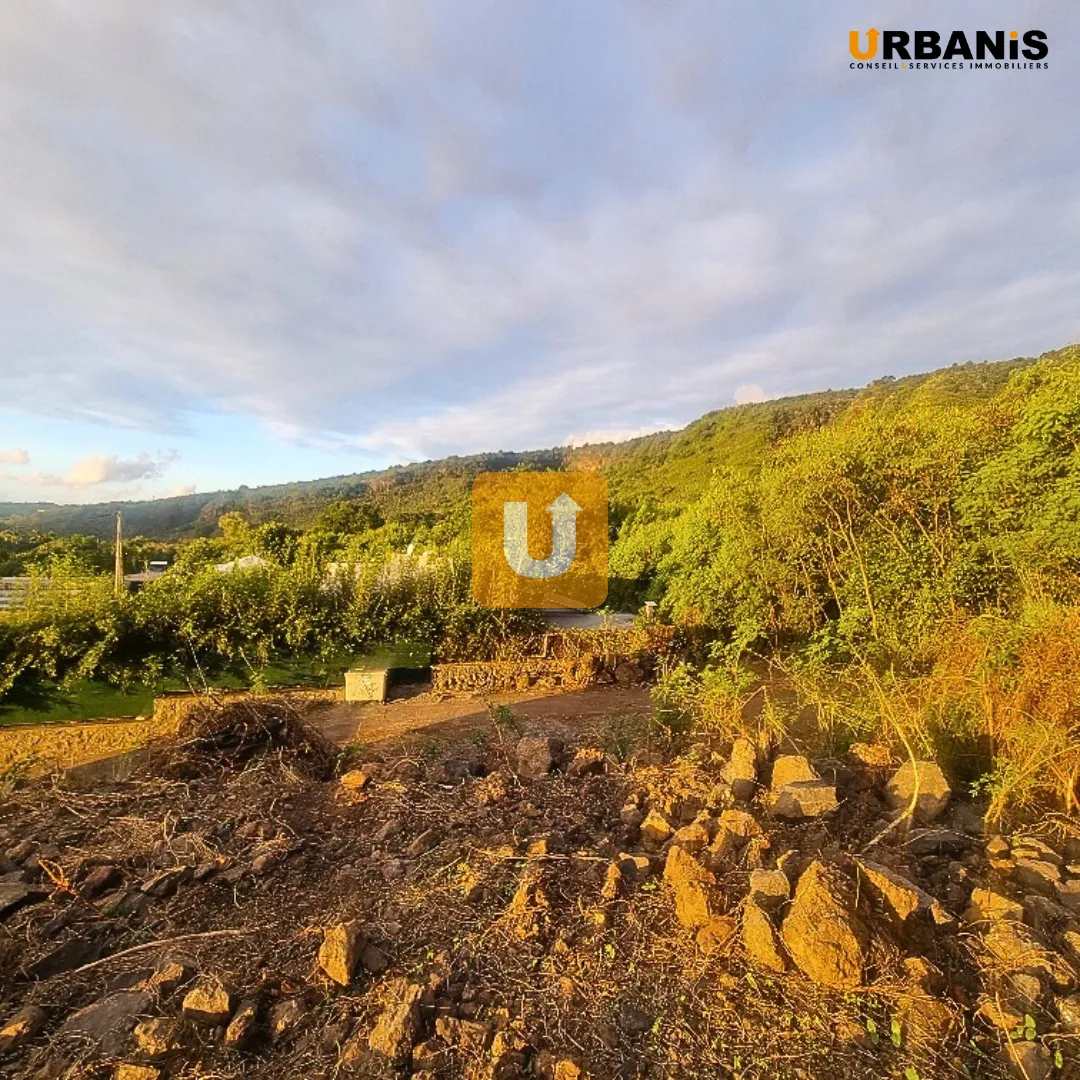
(671, 467)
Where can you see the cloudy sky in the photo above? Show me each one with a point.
(246, 241)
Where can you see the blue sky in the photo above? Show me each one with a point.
(246, 243)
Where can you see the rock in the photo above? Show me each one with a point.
(1029, 1060)
(1037, 875)
(632, 815)
(760, 939)
(373, 959)
(997, 847)
(427, 1056)
(934, 790)
(988, 906)
(398, 1024)
(387, 831)
(285, 1017)
(926, 1020)
(1068, 894)
(869, 755)
(635, 867)
(612, 887)
(900, 896)
(470, 1036)
(587, 762)
(925, 976)
(100, 880)
(25, 1025)
(109, 1022)
(1043, 914)
(805, 799)
(355, 779)
(340, 952)
(72, 954)
(1068, 1010)
(656, 830)
(740, 771)
(157, 1038)
(428, 839)
(821, 932)
(770, 889)
(14, 895)
(166, 882)
(716, 934)
(968, 819)
(208, 1002)
(1031, 847)
(1070, 943)
(791, 769)
(169, 976)
(538, 756)
(1016, 949)
(692, 838)
(244, 1025)
(689, 881)
(128, 1071)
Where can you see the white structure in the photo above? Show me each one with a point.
(247, 562)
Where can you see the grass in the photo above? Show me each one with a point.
(92, 700)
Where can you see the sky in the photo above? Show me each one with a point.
(259, 241)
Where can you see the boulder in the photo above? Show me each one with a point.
(716, 934)
(740, 770)
(109, 1022)
(208, 1002)
(25, 1025)
(613, 883)
(760, 939)
(689, 882)
(14, 895)
(398, 1024)
(770, 889)
(791, 769)
(1038, 875)
(587, 762)
(1068, 1010)
(128, 1071)
(804, 799)
(1068, 894)
(988, 906)
(1029, 1060)
(692, 838)
(285, 1017)
(656, 830)
(537, 756)
(166, 882)
(355, 779)
(900, 896)
(244, 1025)
(821, 933)
(933, 788)
(340, 952)
(100, 880)
(157, 1038)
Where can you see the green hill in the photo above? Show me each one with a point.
(671, 467)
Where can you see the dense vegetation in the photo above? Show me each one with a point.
(904, 559)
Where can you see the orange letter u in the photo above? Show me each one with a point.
(871, 44)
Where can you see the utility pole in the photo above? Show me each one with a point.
(119, 553)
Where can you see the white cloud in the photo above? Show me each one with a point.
(183, 489)
(14, 457)
(385, 231)
(749, 393)
(107, 469)
(608, 435)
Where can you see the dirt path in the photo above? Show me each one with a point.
(425, 718)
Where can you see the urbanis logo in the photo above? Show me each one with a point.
(539, 539)
(956, 50)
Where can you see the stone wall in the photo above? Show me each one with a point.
(495, 676)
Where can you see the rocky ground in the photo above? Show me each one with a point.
(529, 902)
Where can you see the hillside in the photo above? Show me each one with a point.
(671, 467)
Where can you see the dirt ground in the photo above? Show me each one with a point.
(517, 877)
